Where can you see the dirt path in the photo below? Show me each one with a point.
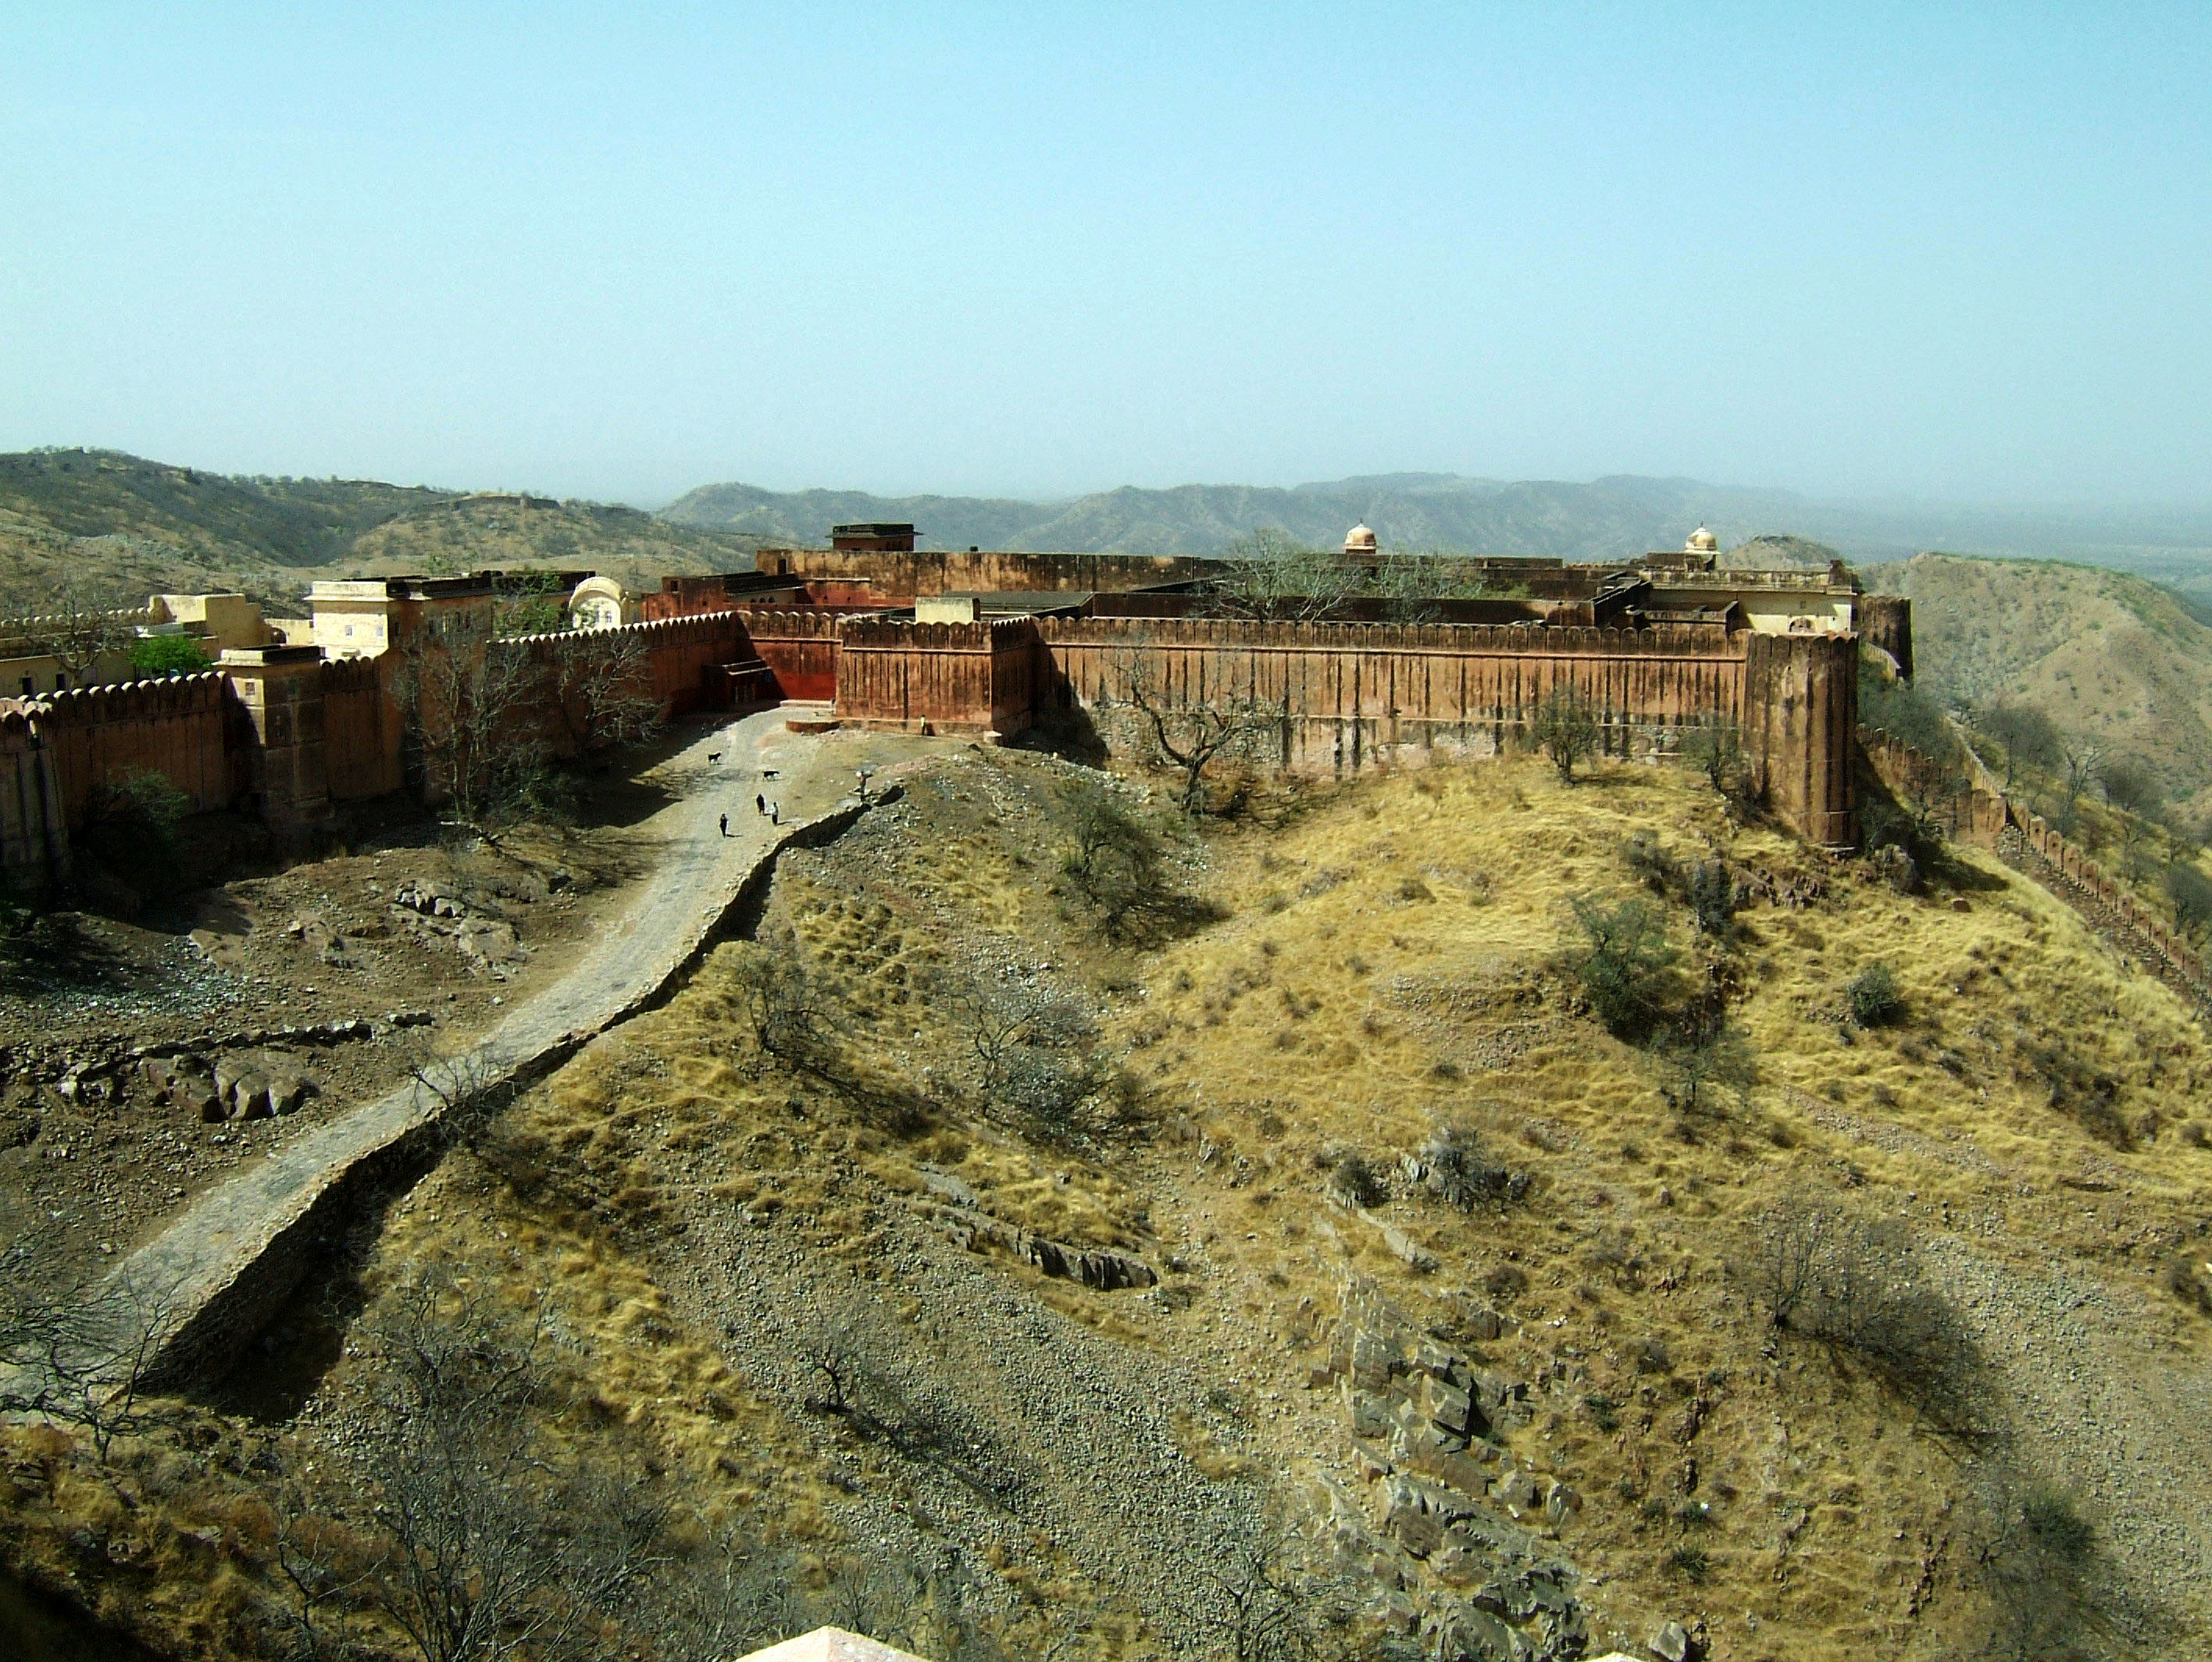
(218, 1269)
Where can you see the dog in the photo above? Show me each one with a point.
(712, 757)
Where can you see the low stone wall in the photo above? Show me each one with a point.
(1988, 817)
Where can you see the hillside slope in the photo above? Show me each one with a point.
(119, 527)
(1355, 1114)
(2111, 656)
(513, 531)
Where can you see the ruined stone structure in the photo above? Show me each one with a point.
(998, 644)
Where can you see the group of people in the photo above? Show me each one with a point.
(772, 811)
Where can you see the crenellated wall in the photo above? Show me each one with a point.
(362, 729)
(176, 727)
(894, 578)
(800, 645)
(944, 677)
(1352, 695)
(33, 832)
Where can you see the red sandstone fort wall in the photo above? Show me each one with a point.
(1353, 694)
(904, 674)
(362, 729)
(33, 835)
(894, 577)
(102, 736)
(801, 646)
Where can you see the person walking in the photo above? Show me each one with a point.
(725, 825)
(761, 803)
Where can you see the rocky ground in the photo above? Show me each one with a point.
(1361, 1256)
(143, 1060)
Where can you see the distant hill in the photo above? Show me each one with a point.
(1779, 554)
(510, 530)
(121, 527)
(2105, 653)
(1606, 519)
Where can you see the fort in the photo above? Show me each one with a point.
(1402, 662)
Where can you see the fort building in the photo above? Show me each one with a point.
(998, 645)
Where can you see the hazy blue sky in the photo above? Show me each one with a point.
(1951, 250)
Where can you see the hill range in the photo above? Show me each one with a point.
(2107, 651)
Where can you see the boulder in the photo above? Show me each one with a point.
(488, 942)
(1669, 1643)
(1478, 1637)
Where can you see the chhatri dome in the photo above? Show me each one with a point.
(1702, 541)
(1360, 540)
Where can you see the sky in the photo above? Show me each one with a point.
(1957, 253)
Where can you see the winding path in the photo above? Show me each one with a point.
(215, 1274)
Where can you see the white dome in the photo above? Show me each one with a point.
(1360, 540)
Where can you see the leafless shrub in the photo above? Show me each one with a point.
(1856, 1285)
(785, 1005)
(494, 1541)
(1565, 728)
(2051, 1594)
(1356, 1181)
(1458, 1171)
(604, 689)
(1259, 1606)
(1271, 576)
(848, 1386)
(83, 1351)
(1187, 732)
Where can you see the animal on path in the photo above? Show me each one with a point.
(712, 756)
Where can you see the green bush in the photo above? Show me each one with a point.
(1876, 1000)
(156, 655)
(1625, 965)
(1565, 728)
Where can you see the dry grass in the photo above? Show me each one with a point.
(1389, 966)
(1392, 968)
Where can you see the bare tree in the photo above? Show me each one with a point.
(1706, 1058)
(1257, 1607)
(2028, 734)
(1034, 1050)
(496, 1543)
(1856, 1285)
(79, 626)
(472, 707)
(81, 1353)
(2079, 757)
(1715, 748)
(603, 684)
(785, 1007)
(1272, 577)
(1189, 735)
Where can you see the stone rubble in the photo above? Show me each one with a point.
(1449, 1535)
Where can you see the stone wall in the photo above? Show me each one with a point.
(362, 729)
(802, 647)
(940, 677)
(894, 577)
(1988, 817)
(1352, 695)
(34, 832)
(178, 728)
